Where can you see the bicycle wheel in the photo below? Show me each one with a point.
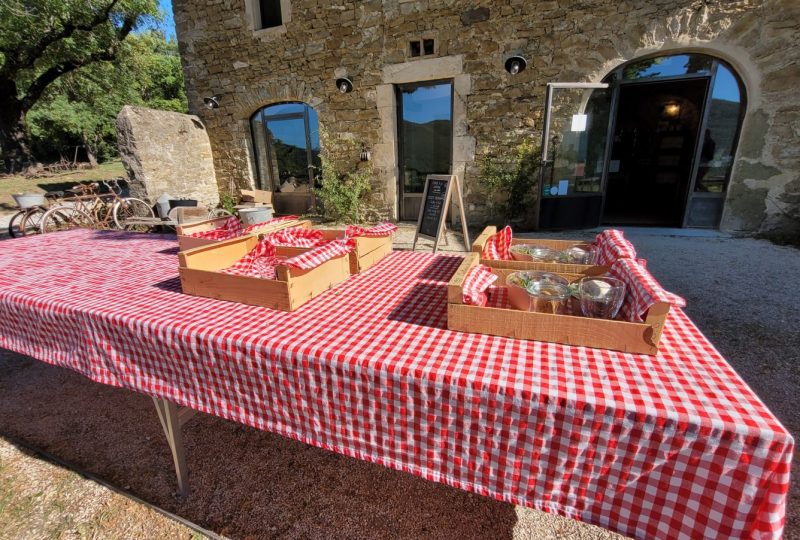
(218, 213)
(131, 208)
(62, 218)
(32, 221)
(13, 225)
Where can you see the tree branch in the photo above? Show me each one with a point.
(35, 90)
(24, 55)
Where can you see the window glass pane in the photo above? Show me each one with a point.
(289, 148)
(576, 150)
(282, 141)
(667, 66)
(270, 13)
(313, 132)
(426, 132)
(716, 157)
(284, 108)
(260, 151)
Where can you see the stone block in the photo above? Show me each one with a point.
(166, 152)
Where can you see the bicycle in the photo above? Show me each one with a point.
(89, 208)
(28, 219)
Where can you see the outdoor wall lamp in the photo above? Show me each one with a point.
(212, 102)
(344, 85)
(516, 64)
(672, 110)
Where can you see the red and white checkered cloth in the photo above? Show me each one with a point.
(274, 221)
(297, 237)
(259, 262)
(612, 245)
(231, 228)
(673, 445)
(379, 230)
(475, 284)
(497, 246)
(318, 255)
(642, 290)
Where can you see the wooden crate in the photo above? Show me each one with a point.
(200, 273)
(567, 329)
(368, 250)
(582, 269)
(190, 242)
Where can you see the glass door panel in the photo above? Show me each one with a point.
(426, 139)
(574, 154)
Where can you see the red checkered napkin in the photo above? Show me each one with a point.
(381, 229)
(297, 237)
(259, 262)
(497, 247)
(612, 245)
(642, 290)
(230, 228)
(317, 256)
(274, 221)
(477, 280)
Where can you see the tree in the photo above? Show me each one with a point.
(42, 40)
(80, 108)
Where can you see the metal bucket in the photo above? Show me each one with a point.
(29, 200)
(258, 214)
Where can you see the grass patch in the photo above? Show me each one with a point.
(20, 184)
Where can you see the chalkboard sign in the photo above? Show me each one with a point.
(433, 210)
(434, 206)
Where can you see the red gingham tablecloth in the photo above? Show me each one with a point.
(668, 446)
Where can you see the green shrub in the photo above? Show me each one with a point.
(510, 180)
(345, 181)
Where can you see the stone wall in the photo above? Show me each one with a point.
(564, 40)
(166, 152)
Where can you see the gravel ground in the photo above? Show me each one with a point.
(249, 484)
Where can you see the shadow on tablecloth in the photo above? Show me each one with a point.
(424, 305)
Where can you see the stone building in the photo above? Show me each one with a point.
(691, 117)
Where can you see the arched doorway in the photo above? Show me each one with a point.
(654, 147)
(674, 138)
(286, 146)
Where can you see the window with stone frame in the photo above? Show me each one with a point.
(269, 14)
(286, 147)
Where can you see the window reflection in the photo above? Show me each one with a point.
(716, 156)
(286, 144)
(668, 66)
(426, 131)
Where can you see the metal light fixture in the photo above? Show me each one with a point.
(366, 155)
(672, 109)
(212, 102)
(516, 64)
(344, 85)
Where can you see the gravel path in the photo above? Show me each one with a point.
(253, 484)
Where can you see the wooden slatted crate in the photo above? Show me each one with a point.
(367, 252)
(200, 273)
(567, 329)
(190, 242)
(583, 269)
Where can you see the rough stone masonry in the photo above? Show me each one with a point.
(166, 153)
(564, 40)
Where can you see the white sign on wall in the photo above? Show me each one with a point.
(579, 122)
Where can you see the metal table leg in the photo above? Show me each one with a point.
(172, 419)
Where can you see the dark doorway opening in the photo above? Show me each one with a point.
(653, 151)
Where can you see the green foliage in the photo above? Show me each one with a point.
(60, 51)
(345, 181)
(228, 201)
(510, 180)
(80, 108)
